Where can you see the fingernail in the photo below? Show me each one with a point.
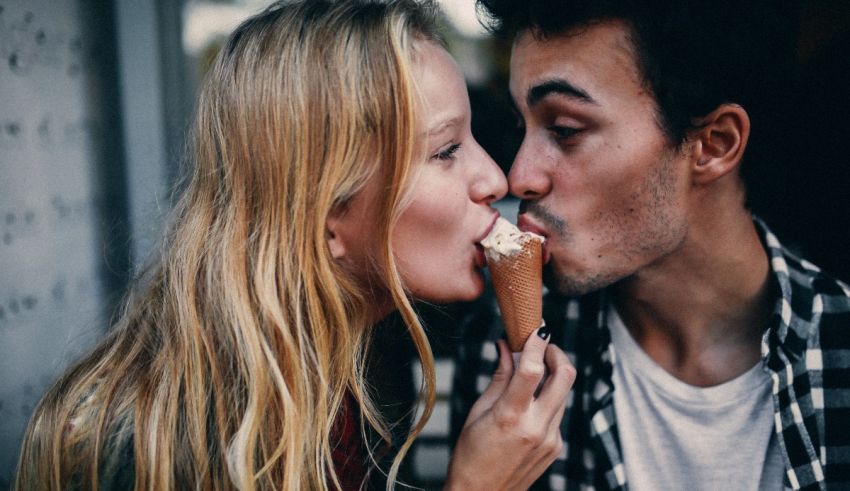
(543, 332)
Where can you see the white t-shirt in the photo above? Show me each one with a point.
(677, 436)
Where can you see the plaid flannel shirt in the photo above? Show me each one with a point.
(805, 349)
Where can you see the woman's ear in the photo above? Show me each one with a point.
(719, 142)
(333, 228)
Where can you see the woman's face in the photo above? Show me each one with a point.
(436, 238)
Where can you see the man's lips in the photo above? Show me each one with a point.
(527, 224)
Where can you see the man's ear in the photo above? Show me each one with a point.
(719, 142)
(333, 229)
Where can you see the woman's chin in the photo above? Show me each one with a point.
(468, 294)
(472, 289)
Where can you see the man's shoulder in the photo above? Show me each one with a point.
(825, 295)
(815, 305)
(832, 314)
(821, 302)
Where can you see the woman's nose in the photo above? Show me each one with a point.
(490, 184)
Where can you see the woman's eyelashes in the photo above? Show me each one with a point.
(447, 153)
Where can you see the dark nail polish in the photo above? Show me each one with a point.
(543, 332)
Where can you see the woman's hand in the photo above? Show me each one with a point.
(511, 436)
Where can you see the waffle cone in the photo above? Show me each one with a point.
(518, 281)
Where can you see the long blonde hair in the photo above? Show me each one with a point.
(235, 351)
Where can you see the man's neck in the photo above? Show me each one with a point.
(700, 311)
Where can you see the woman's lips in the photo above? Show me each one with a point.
(480, 258)
(489, 228)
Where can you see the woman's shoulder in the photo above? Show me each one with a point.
(71, 427)
(118, 465)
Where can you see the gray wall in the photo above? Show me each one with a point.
(75, 127)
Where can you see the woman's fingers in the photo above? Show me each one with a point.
(560, 379)
(550, 447)
(537, 421)
(500, 380)
(528, 373)
(503, 372)
(553, 444)
(510, 438)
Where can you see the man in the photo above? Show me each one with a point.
(708, 356)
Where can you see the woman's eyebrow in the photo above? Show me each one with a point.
(445, 124)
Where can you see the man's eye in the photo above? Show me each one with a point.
(448, 153)
(562, 132)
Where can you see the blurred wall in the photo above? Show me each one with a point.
(63, 251)
(93, 110)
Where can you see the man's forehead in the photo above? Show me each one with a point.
(587, 56)
(616, 30)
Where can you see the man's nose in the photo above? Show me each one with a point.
(528, 178)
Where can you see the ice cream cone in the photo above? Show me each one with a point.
(517, 279)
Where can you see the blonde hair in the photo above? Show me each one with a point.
(231, 361)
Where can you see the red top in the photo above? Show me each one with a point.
(349, 453)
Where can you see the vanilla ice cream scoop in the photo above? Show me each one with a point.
(506, 240)
(515, 260)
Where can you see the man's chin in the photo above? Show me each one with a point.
(573, 285)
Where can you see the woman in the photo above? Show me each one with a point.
(335, 178)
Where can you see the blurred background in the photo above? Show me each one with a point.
(95, 98)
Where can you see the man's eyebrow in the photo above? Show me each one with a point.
(557, 86)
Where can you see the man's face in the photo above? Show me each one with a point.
(596, 173)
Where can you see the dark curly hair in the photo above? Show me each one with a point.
(692, 55)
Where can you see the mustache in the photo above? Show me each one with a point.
(553, 223)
